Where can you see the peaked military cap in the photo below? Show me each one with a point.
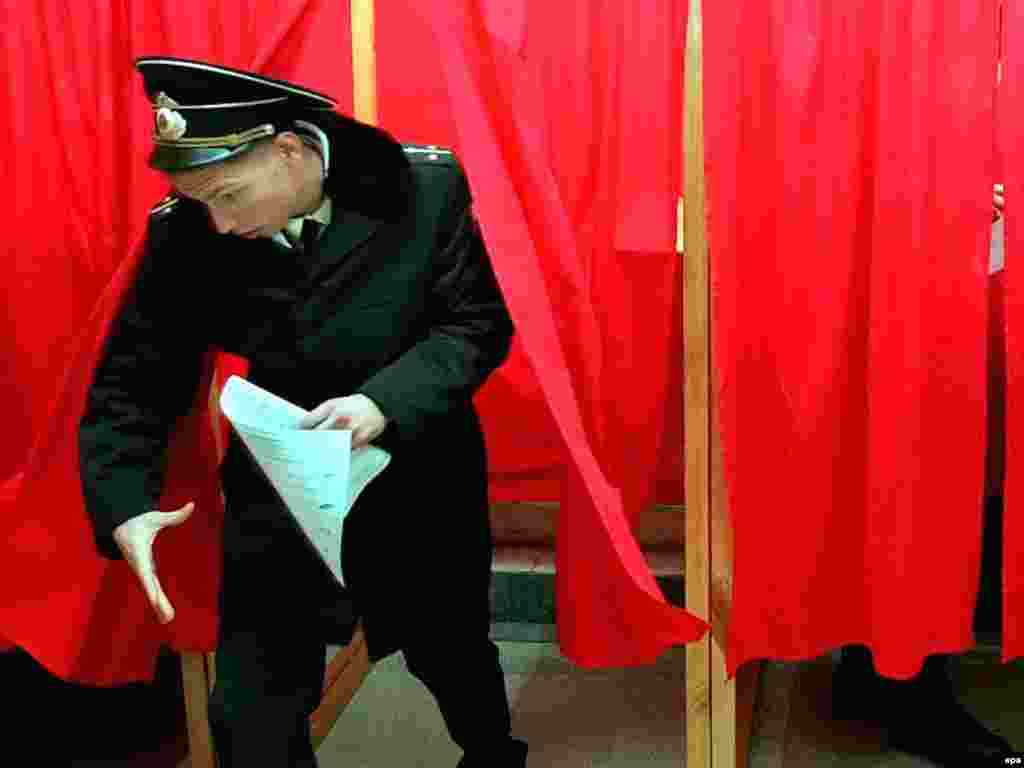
(204, 113)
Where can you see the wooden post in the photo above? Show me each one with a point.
(696, 389)
(196, 680)
(364, 62)
(719, 711)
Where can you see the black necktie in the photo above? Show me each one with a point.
(307, 243)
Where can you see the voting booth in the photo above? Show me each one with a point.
(647, 308)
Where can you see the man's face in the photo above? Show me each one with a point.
(249, 196)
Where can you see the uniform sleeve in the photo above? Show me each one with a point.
(145, 380)
(470, 335)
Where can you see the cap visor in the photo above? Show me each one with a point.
(171, 159)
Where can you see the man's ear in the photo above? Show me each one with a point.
(288, 144)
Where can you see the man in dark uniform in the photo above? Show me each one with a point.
(350, 272)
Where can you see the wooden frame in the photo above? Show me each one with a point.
(719, 711)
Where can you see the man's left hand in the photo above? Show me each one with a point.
(356, 412)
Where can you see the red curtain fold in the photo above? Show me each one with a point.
(849, 175)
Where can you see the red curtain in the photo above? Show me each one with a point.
(849, 167)
(577, 210)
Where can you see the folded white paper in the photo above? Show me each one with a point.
(315, 472)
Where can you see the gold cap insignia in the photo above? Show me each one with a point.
(170, 124)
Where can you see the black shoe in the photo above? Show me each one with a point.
(952, 739)
(511, 756)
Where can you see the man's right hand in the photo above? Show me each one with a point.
(135, 539)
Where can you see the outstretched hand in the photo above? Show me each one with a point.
(135, 539)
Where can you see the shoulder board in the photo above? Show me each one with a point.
(428, 153)
(165, 206)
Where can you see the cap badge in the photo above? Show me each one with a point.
(170, 124)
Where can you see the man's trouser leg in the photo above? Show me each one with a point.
(265, 691)
(460, 665)
(465, 677)
(271, 650)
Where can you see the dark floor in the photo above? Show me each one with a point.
(572, 718)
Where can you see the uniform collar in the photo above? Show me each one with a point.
(293, 231)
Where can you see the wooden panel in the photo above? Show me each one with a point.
(346, 672)
(696, 424)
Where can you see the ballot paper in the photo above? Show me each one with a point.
(315, 471)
